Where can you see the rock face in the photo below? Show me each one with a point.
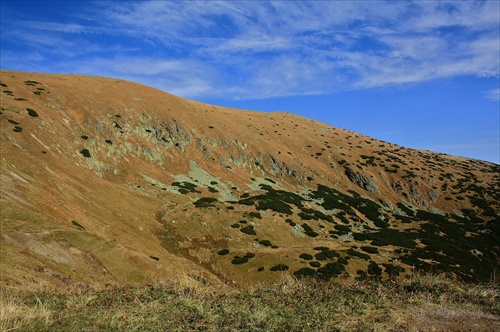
(361, 180)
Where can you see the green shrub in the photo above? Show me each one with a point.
(353, 252)
(74, 222)
(392, 270)
(248, 230)
(223, 252)
(343, 261)
(239, 260)
(320, 256)
(266, 243)
(315, 264)
(305, 272)
(370, 250)
(205, 202)
(331, 270)
(32, 112)
(342, 228)
(279, 267)
(185, 187)
(305, 256)
(85, 153)
(374, 269)
(255, 215)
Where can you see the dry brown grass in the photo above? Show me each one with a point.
(417, 303)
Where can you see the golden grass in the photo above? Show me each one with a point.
(419, 302)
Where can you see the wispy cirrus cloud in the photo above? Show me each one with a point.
(267, 49)
(493, 94)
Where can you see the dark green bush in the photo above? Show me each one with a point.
(239, 260)
(370, 250)
(32, 112)
(186, 187)
(331, 270)
(315, 264)
(255, 215)
(248, 230)
(353, 252)
(320, 256)
(342, 228)
(279, 267)
(85, 153)
(223, 252)
(392, 270)
(343, 261)
(305, 272)
(305, 256)
(266, 243)
(374, 269)
(205, 202)
(74, 222)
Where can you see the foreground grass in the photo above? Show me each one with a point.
(405, 304)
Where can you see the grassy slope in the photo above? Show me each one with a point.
(100, 176)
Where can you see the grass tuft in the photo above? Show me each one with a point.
(292, 304)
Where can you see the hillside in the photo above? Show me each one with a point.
(110, 182)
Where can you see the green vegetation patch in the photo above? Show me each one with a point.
(355, 253)
(32, 112)
(77, 224)
(370, 250)
(276, 200)
(279, 267)
(305, 256)
(266, 243)
(248, 230)
(330, 270)
(185, 187)
(223, 252)
(205, 202)
(85, 153)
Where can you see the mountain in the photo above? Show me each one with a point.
(105, 181)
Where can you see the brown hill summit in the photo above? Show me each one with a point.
(105, 181)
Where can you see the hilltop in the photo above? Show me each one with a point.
(105, 181)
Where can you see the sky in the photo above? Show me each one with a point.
(422, 74)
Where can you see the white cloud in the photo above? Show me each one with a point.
(493, 94)
(255, 48)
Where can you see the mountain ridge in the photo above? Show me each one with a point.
(128, 184)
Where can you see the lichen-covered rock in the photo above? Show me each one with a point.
(361, 180)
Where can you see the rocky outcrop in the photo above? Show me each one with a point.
(361, 180)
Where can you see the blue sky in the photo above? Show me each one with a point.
(423, 74)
